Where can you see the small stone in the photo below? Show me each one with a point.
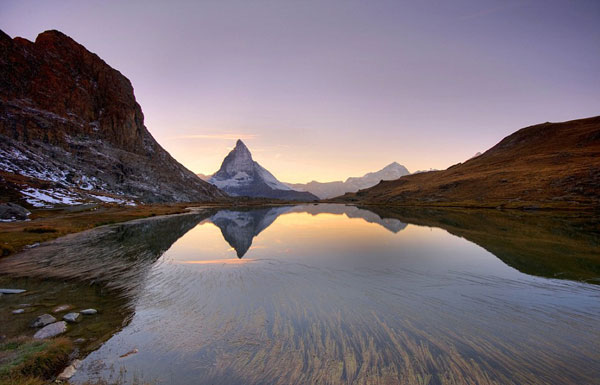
(79, 341)
(62, 308)
(51, 330)
(134, 351)
(18, 311)
(43, 320)
(71, 317)
(67, 373)
(89, 311)
(12, 291)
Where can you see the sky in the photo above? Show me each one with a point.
(324, 90)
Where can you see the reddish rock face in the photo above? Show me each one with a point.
(59, 100)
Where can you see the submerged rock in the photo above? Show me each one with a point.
(134, 351)
(43, 320)
(72, 317)
(89, 311)
(51, 330)
(18, 311)
(62, 308)
(12, 291)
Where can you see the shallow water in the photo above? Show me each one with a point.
(329, 294)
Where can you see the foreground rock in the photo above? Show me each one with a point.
(13, 212)
(62, 308)
(51, 330)
(43, 320)
(72, 317)
(12, 291)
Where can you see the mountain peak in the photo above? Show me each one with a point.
(240, 175)
(240, 148)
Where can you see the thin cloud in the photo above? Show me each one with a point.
(216, 136)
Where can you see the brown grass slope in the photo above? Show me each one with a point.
(549, 165)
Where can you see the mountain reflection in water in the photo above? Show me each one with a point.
(333, 294)
(240, 227)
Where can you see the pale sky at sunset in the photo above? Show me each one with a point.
(329, 89)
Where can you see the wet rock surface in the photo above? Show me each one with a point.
(12, 291)
(72, 317)
(51, 330)
(61, 308)
(43, 320)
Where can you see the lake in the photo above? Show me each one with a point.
(329, 294)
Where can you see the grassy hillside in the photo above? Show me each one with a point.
(549, 165)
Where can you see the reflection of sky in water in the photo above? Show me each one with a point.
(332, 299)
(351, 242)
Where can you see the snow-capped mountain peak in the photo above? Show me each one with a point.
(241, 175)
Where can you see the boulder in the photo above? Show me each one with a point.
(13, 212)
(51, 330)
(72, 317)
(43, 320)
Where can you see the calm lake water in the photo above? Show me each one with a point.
(329, 294)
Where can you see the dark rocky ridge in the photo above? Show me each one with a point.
(68, 117)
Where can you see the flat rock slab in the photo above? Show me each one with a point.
(12, 291)
(89, 311)
(43, 320)
(72, 317)
(62, 308)
(51, 330)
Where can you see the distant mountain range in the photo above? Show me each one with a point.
(326, 190)
(240, 175)
(549, 165)
(71, 131)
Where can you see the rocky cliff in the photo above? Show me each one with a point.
(68, 118)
